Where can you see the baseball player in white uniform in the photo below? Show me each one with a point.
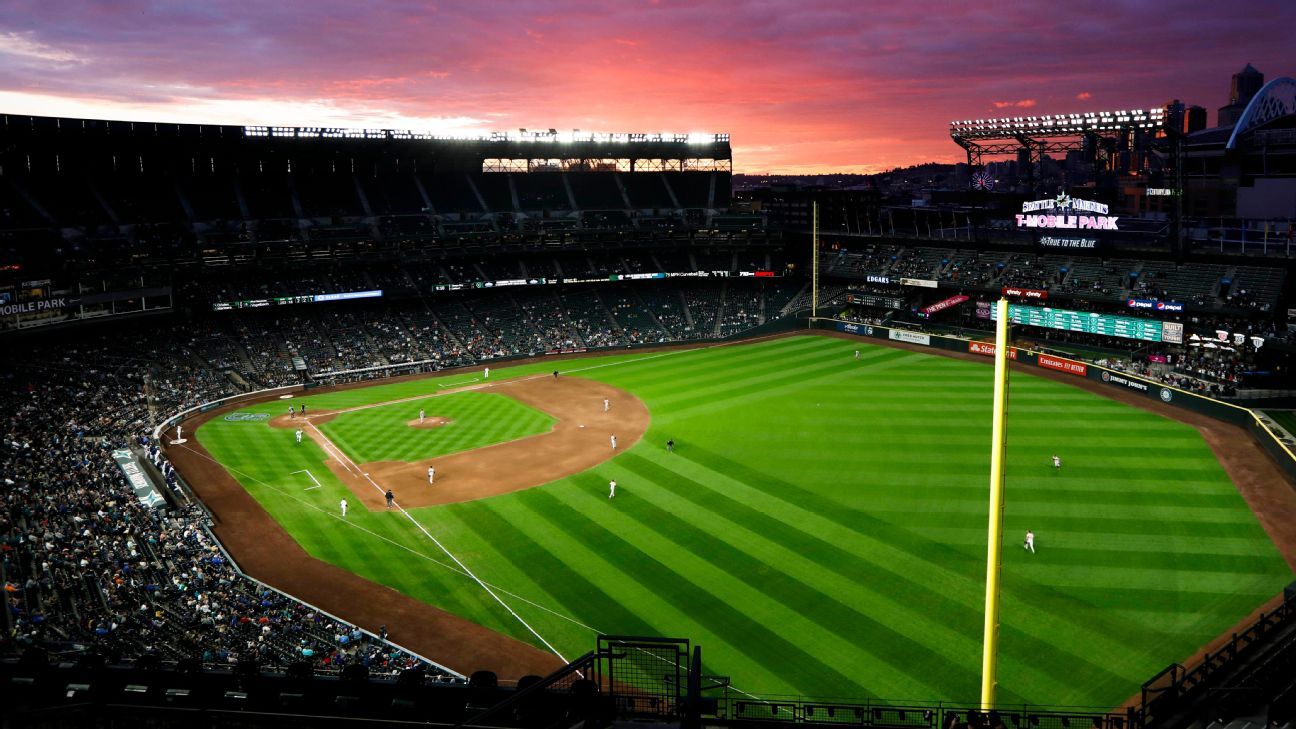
(299, 435)
(611, 488)
(606, 404)
(1030, 541)
(431, 475)
(422, 415)
(486, 374)
(343, 504)
(1057, 462)
(614, 442)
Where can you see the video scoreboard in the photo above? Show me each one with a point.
(1147, 330)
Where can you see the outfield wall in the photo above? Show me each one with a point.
(1123, 381)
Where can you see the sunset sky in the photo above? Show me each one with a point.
(805, 86)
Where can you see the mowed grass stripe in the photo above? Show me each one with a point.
(758, 641)
(954, 596)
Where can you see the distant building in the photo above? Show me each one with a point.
(1246, 84)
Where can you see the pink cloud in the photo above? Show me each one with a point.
(824, 88)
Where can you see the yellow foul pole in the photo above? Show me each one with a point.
(814, 243)
(994, 546)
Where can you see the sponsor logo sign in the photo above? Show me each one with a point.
(1024, 293)
(247, 417)
(944, 304)
(1112, 378)
(32, 307)
(925, 283)
(863, 329)
(1062, 365)
(983, 309)
(904, 335)
(1154, 304)
(1066, 212)
(988, 349)
(1172, 332)
(1167, 394)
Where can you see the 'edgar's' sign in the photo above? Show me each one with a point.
(1065, 211)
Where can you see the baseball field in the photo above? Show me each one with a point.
(819, 528)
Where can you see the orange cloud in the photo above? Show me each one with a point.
(1084, 95)
(1024, 103)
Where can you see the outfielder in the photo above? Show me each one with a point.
(299, 435)
(1030, 541)
(1057, 462)
(611, 488)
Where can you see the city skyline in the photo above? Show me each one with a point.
(816, 87)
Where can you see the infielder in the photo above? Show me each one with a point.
(606, 404)
(486, 374)
(611, 488)
(299, 435)
(1030, 541)
(1057, 462)
(857, 354)
(614, 442)
(431, 475)
(343, 504)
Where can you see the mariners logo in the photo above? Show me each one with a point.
(246, 417)
(1167, 394)
(1106, 376)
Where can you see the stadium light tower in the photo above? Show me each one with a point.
(994, 546)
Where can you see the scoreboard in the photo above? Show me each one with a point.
(1147, 330)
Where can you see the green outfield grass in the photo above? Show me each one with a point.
(476, 419)
(820, 529)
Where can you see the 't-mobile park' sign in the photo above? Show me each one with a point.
(1064, 213)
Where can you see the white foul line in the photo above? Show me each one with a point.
(317, 485)
(437, 542)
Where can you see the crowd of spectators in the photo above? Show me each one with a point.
(1203, 285)
(90, 567)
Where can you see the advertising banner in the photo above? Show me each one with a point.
(988, 349)
(983, 309)
(873, 278)
(944, 304)
(861, 329)
(924, 283)
(1053, 241)
(1154, 305)
(904, 335)
(1022, 293)
(1062, 365)
(139, 483)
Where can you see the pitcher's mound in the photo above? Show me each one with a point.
(433, 422)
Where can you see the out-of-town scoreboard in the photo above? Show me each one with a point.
(1089, 322)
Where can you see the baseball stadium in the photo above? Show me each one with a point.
(315, 426)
